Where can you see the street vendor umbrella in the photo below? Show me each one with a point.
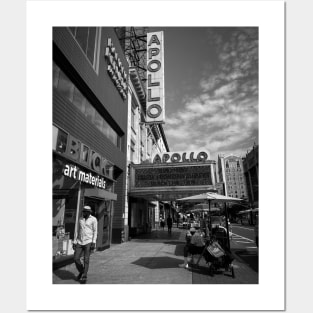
(204, 207)
(212, 197)
(249, 210)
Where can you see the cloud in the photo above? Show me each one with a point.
(223, 116)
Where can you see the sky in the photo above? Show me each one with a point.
(211, 89)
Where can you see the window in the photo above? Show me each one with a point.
(149, 146)
(59, 140)
(86, 37)
(109, 169)
(143, 134)
(133, 118)
(98, 121)
(90, 112)
(67, 89)
(132, 151)
(79, 101)
(56, 73)
(142, 150)
(112, 135)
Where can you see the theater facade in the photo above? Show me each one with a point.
(173, 175)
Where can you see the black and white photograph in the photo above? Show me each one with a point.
(157, 178)
(143, 138)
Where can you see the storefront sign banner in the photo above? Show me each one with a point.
(74, 172)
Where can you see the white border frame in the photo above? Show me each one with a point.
(269, 294)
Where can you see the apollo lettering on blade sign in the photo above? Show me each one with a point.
(155, 78)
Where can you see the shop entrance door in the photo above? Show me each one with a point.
(101, 209)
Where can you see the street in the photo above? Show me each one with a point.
(154, 258)
(243, 245)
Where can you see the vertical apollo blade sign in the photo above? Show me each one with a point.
(155, 78)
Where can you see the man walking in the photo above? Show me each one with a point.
(84, 242)
(169, 223)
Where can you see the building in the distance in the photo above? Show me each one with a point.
(251, 172)
(230, 172)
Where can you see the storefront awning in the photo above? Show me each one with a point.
(100, 194)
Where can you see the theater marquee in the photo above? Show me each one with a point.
(173, 176)
(155, 78)
(169, 181)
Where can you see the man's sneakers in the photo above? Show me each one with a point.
(79, 276)
(82, 279)
(186, 266)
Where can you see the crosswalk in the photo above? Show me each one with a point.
(243, 240)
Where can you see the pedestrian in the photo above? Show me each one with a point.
(203, 226)
(169, 223)
(162, 224)
(194, 245)
(84, 242)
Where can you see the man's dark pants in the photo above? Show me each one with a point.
(192, 249)
(82, 249)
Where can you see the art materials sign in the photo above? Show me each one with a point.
(181, 157)
(73, 171)
(155, 78)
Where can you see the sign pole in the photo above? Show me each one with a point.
(210, 221)
(226, 220)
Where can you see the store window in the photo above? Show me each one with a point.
(87, 38)
(59, 140)
(109, 169)
(64, 205)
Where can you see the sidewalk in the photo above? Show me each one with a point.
(151, 259)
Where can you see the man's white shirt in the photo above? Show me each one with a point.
(87, 231)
